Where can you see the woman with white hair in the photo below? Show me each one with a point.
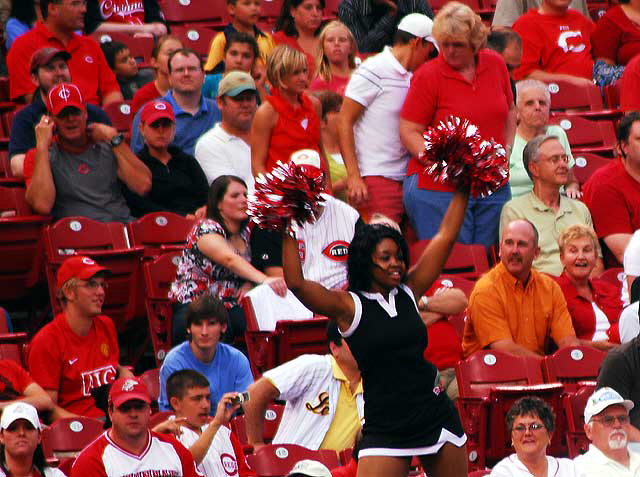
(532, 107)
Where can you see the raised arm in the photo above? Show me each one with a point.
(430, 264)
(224, 412)
(334, 304)
(41, 190)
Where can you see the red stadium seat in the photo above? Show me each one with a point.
(467, 287)
(158, 276)
(120, 115)
(566, 96)
(197, 38)
(574, 403)
(586, 164)
(272, 417)
(13, 346)
(139, 47)
(465, 261)
(107, 244)
(277, 460)
(67, 437)
(571, 365)
(211, 13)
(159, 232)
(270, 9)
(151, 379)
(597, 137)
(21, 250)
(612, 95)
(614, 276)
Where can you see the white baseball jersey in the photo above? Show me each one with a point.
(311, 392)
(162, 457)
(324, 245)
(224, 457)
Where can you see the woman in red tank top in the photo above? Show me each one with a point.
(289, 120)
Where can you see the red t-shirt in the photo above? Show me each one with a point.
(555, 44)
(616, 37)
(88, 66)
(13, 380)
(348, 470)
(73, 365)
(605, 295)
(630, 86)
(337, 84)
(122, 11)
(296, 129)
(438, 91)
(279, 38)
(147, 93)
(444, 347)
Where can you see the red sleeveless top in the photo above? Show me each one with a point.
(297, 128)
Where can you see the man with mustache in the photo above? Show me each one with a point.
(516, 309)
(606, 418)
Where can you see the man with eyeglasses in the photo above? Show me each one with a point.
(78, 351)
(546, 162)
(129, 448)
(607, 426)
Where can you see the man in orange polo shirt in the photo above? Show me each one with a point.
(61, 19)
(513, 308)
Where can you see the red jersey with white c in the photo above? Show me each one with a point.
(73, 365)
(324, 244)
(162, 457)
(122, 11)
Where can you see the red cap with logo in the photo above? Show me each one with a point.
(126, 389)
(154, 110)
(62, 96)
(78, 266)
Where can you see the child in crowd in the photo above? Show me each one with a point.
(130, 78)
(241, 53)
(331, 102)
(336, 58)
(289, 120)
(244, 16)
(160, 54)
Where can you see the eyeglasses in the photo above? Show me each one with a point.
(94, 285)
(609, 421)
(533, 427)
(557, 158)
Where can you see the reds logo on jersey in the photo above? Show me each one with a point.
(229, 464)
(571, 42)
(96, 378)
(337, 251)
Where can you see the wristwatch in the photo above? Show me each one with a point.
(117, 140)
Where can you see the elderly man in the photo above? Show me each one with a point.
(75, 172)
(61, 19)
(195, 114)
(49, 67)
(546, 163)
(225, 149)
(606, 418)
(78, 351)
(516, 309)
(129, 448)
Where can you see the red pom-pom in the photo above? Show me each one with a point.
(288, 193)
(455, 154)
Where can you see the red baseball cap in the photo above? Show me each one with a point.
(154, 110)
(62, 96)
(78, 266)
(126, 389)
(43, 56)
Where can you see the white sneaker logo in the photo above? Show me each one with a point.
(71, 361)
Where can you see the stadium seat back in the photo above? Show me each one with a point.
(567, 96)
(570, 365)
(613, 276)
(120, 115)
(301, 337)
(209, 12)
(159, 232)
(151, 379)
(277, 460)
(466, 261)
(139, 47)
(586, 164)
(196, 38)
(574, 404)
(68, 436)
(597, 137)
(272, 417)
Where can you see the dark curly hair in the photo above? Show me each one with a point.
(363, 244)
(532, 406)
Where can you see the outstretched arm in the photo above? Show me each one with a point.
(334, 304)
(430, 264)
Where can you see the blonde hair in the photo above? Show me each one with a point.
(323, 68)
(70, 284)
(282, 61)
(527, 84)
(457, 20)
(575, 232)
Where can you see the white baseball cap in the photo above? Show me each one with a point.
(418, 25)
(310, 468)
(306, 157)
(602, 399)
(19, 410)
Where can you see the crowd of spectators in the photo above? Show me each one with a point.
(347, 98)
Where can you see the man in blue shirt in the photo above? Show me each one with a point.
(195, 114)
(226, 368)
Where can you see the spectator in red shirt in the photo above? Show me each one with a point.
(594, 305)
(336, 58)
(61, 20)
(630, 86)
(556, 44)
(134, 17)
(77, 352)
(616, 38)
(612, 193)
(16, 385)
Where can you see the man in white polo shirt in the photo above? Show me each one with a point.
(369, 120)
(607, 425)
